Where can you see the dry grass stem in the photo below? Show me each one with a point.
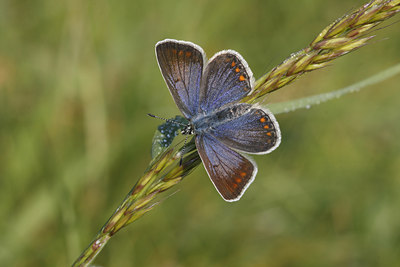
(343, 36)
(163, 173)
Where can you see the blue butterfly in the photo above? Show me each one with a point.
(208, 93)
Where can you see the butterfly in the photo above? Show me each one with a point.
(208, 93)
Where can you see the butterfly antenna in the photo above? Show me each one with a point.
(183, 150)
(167, 120)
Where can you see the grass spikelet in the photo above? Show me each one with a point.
(345, 35)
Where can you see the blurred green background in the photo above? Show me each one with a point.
(77, 79)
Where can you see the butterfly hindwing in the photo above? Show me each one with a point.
(181, 64)
(227, 79)
(230, 172)
(255, 131)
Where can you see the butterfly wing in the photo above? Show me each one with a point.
(230, 172)
(227, 79)
(181, 64)
(255, 131)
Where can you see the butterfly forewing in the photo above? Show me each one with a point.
(226, 79)
(181, 64)
(230, 172)
(254, 131)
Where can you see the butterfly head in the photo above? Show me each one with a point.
(187, 130)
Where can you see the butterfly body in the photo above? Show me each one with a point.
(208, 93)
(204, 123)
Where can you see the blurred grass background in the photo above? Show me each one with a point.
(77, 79)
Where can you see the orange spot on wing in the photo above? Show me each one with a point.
(174, 51)
(266, 127)
(242, 78)
(238, 180)
(237, 69)
(269, 134)
(235, 186)
(262, 119)
(233, 64)
(243, 174)
(188, 54)
(180, 53)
